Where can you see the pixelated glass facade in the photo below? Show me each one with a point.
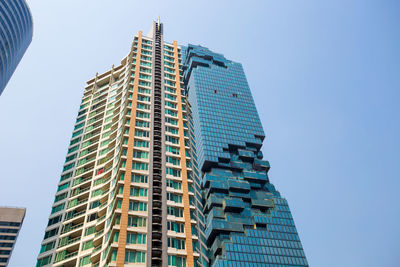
(248, 223)
(16, 29)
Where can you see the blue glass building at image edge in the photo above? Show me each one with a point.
(16, 31)
(248, 223)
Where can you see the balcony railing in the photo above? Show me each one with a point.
(61, 257)
(68, 242)
(68, 217)
(71, 228)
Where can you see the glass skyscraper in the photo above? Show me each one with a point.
(248, 223)
(15, 36)
(164, 168)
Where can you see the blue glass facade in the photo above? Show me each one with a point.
(225, 113)
(15, 36)
(248, 223)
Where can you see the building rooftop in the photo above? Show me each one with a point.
(11, 214)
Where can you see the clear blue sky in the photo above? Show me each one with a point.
(325, 76)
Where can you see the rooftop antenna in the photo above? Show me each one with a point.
(158, 22)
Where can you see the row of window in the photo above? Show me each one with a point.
(16, 224)
(174, 197)
(7, 237)
(135, 238)
(176, 227)
(175, 243)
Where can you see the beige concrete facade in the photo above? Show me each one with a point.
(104, 209)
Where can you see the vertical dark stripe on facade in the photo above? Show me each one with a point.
(156, 225)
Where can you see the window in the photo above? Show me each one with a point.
(176, 243)
(138, 192)
(177, 212)
(43, 261)
(10, 231)
(87, 245)
(173, 172)
(97, 192)
(140, 143)
(136, 221)
(140, 154)
(69, 158)
(143, 98)
(172, 130)
(144, 124)
(143, 90)
(79, 126)
(60, 197)
(54, 220)
(62, 187)
(172, 139)
(144, 83)
(135, 257)
(104, 143)
(175, 198)
(138, 178)
(65, 176)
(168, 96)
(140, 166)
(90, 230)
(96, 203)
(74, 141)
(140, 114)
(134, 238)
(174, 161)
(137, 206)
(176, 261)
(116, 237)
(47, 247)
(171, 113)
(170, 104)
(50, 233)
(176, 227)
(140, 133)
(69, 166)
(57, 208)
(172, 150)
(174, 184)
(85, 261)
(170, 120)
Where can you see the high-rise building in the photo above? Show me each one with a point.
(129, 189)
(164, 168)
(248, 223)
(15, 36)
(10, 223)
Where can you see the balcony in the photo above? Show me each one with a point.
(262, 203)
(66, 241)
(61, 256)
(80, 180)
(233, 205)
(255, 176)
(72, 215)
(75, 202)
(79, 191)
(68, 228)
